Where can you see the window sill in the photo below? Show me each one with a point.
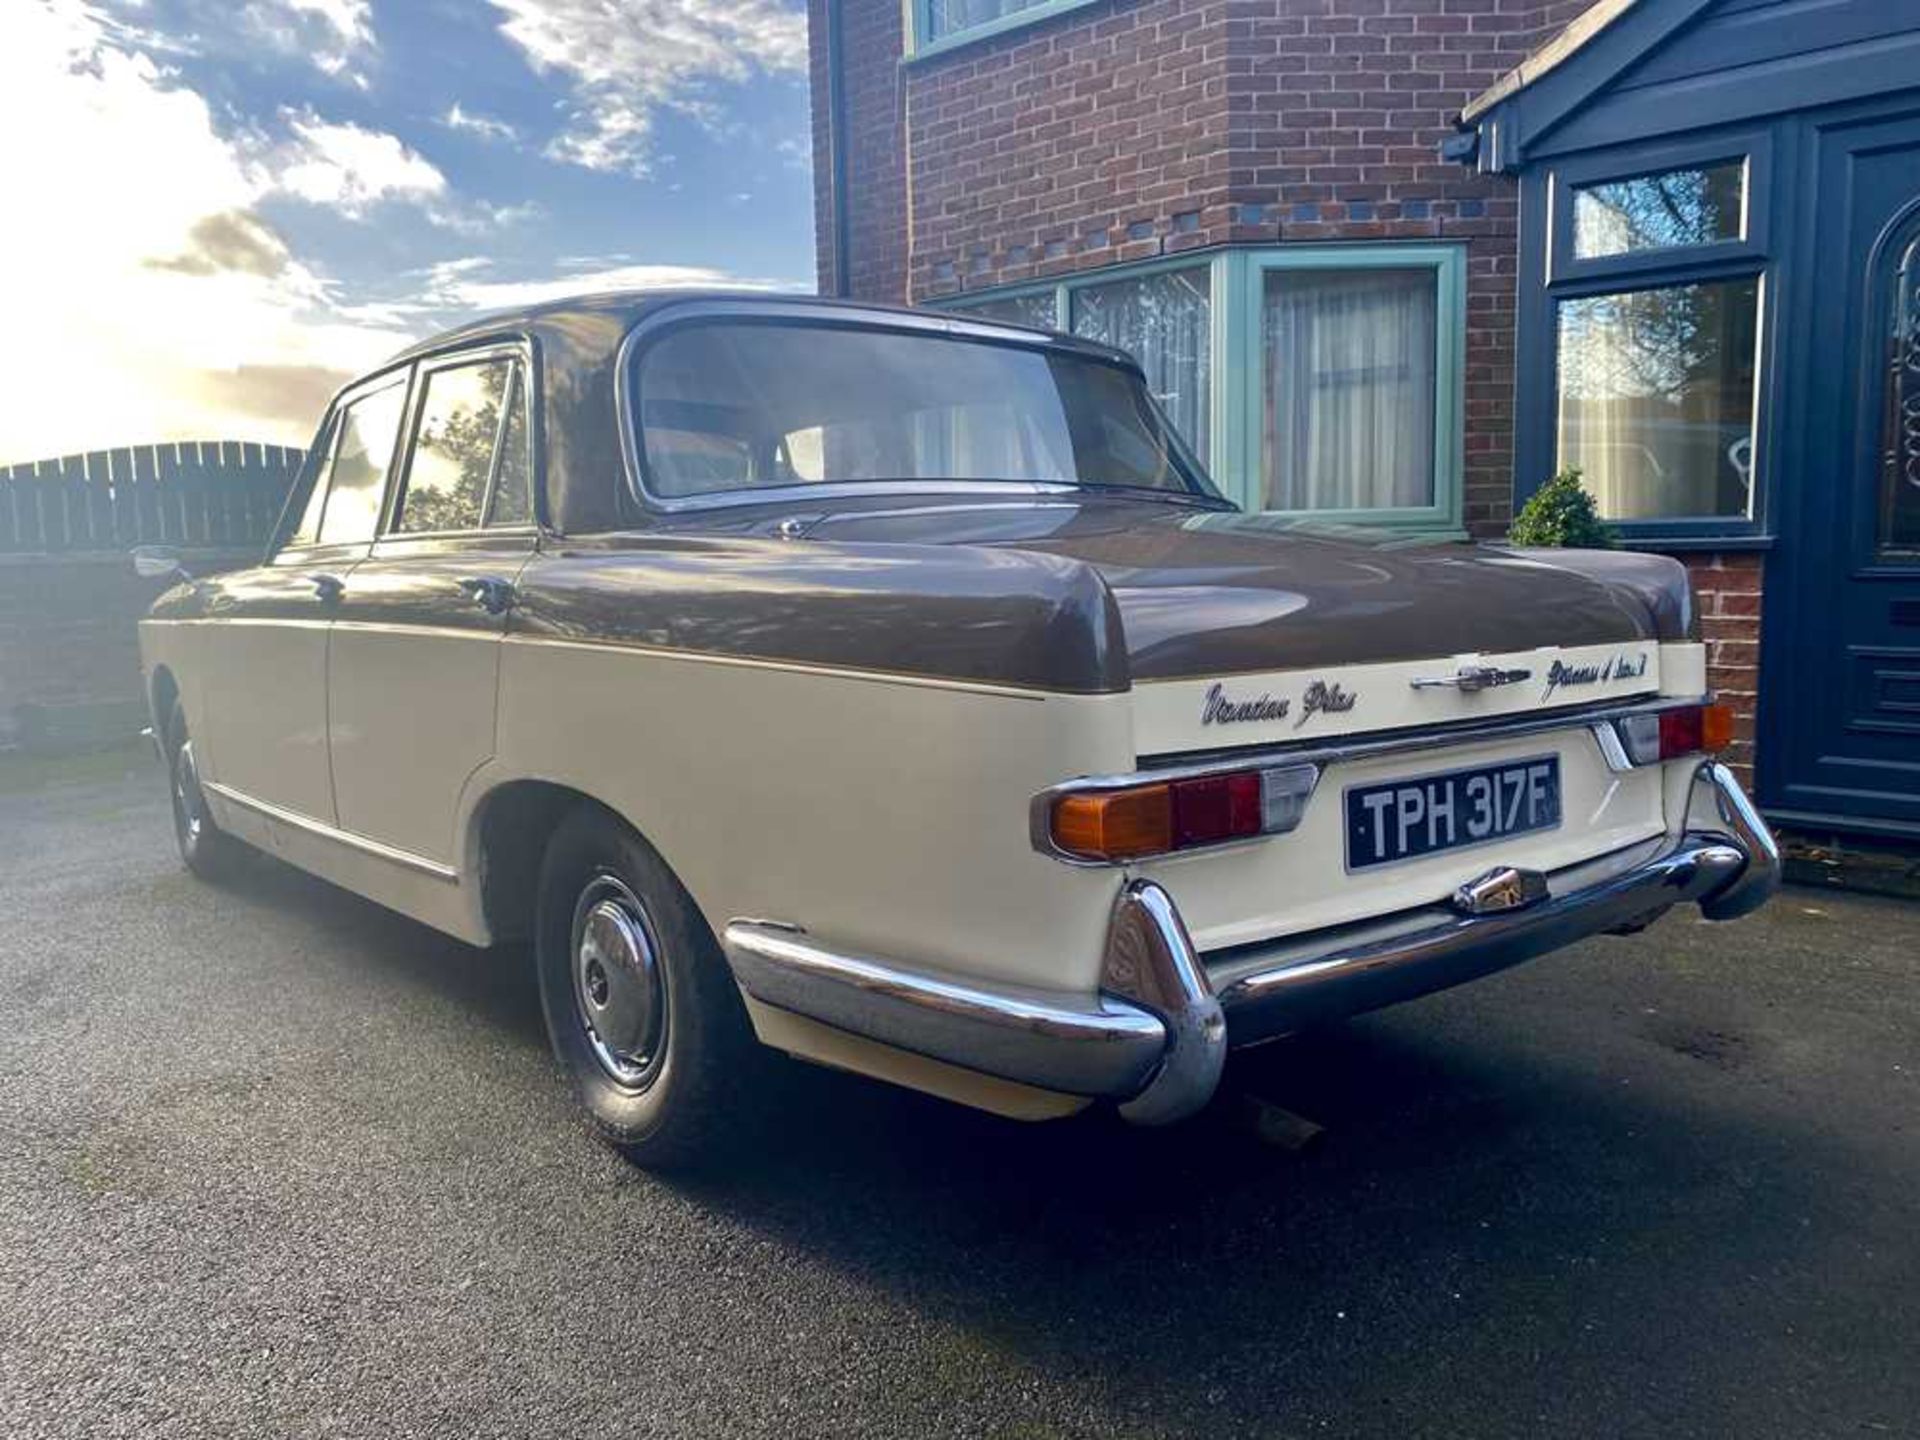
(1693, 544)
(973, 34)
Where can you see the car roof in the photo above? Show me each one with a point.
(629, 307)
(577, 346)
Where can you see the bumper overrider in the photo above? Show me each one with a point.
(1156, 1035)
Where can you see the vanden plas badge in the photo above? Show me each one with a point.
(1324, 699)
(1219, 710)
(1561, 675)
(1319, 698)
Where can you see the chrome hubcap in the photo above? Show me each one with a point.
(619, 983)
(189, 805)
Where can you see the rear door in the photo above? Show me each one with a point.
(414, 659)
(266, 661)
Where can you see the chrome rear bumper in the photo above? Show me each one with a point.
(1156, 1035)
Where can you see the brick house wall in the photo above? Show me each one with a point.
(1129, 130)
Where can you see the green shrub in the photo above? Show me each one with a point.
(1561, 514)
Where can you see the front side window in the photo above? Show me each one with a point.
(1350, 366)
(1655, 404)
(356, 482)
(455, 445)
(737, 407)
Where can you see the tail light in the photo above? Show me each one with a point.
(1188, 812)
(1687, 730)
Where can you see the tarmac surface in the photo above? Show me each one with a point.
(276, 1162)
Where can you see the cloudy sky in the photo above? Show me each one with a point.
(218, 210)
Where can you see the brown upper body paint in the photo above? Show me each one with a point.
(1049, 588)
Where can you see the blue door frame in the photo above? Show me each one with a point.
(1840, 662)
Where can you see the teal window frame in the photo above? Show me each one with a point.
(923, 44)
(1237, 282)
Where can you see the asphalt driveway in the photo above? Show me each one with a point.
(273, 1161)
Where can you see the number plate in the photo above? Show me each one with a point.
(1405, 819)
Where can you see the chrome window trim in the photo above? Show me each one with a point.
(664, 321)
(405, 377)
(1324, 754)
(515, 347)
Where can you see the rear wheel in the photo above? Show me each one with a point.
(640, 1006)
(208, 851)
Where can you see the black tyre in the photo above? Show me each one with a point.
(208, 851)
(640, 1005)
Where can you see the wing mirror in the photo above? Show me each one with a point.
(157, 562)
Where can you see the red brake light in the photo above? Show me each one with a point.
(1680, 733)
(1158, 817)
(1695, 730)
(1215, 808)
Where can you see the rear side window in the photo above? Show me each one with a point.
(513, 489)
(362, 456)
(469, 464)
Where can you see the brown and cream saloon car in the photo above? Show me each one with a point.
(894, 690)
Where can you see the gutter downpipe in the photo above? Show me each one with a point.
(836, 148)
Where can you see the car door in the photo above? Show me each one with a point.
(414, 657)
(264, 686)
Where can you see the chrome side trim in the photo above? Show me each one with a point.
(375, 848)
(1151, 961)
(1611, 748)
(1096, 1045)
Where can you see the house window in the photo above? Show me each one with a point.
(1642, 345)
(939, 25)
(1349, 365)
(1165, 321)
(1655, 404)
(1703, 205)
(947, 17)
(1318, 379)
(1035, 308)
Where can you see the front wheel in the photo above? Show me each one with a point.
(208, 851)
(640, 1005)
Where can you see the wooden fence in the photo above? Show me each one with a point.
(193, 494)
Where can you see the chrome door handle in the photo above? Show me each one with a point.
(328, 587)
(491, 593)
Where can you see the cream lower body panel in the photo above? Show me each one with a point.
(412, 885)
(1288, 884)
(885, 814)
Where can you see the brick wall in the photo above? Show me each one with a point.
(1137, 128)
(1728, 588)
(871, 44)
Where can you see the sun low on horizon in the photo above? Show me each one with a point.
(220, 212)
